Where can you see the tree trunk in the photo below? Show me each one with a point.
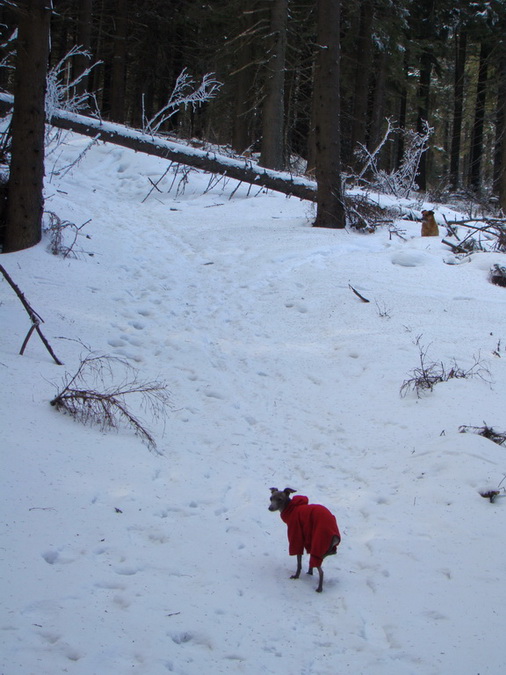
(479, 120)
(25, 202)
(118, 68)
(330, 206)
(500, 133)
(84, 13)
(378, 102)
(362, 74)
(423, 110)
(272, 152)
(458, 107)
(403, 108)
(242, 80)
(311, 142)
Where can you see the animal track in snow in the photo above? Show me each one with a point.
(138, 325)
(297, 305)
(56, 556)
(110, 585)
(127, 571)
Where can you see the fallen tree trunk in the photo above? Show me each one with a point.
(240, 169)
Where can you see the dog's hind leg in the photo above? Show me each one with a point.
(319, 588)
(333, 546)
(299, 567)
(320, 582)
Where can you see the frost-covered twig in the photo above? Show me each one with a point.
(185, 93)
(416, 144)
(372, 157)
(400, 182)
(4, 63)
(61, 90)
(63, 171)
(55, 229)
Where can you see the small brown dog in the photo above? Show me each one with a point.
(429, 225)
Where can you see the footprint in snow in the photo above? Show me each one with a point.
(214, 394)
(53, 557)
(116, 342)
(126, 571)
(138, 325)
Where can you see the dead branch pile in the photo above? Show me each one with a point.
(498, 437)
(427, 375)
(104, 404)
(365, 216)
(488, 237)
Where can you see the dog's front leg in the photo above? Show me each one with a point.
(299, 567)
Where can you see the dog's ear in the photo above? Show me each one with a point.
(273, 490)
(288, 491)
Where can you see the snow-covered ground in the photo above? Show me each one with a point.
(119, 560)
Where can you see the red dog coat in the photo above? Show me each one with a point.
(310, 527)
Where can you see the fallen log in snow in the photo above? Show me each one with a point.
(240, 169)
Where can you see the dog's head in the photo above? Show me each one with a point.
(280, 498)
(427, 214)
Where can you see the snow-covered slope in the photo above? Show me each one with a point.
(116, 560)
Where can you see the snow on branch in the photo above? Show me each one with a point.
(400, 182)
(185, 93)
(61, 91)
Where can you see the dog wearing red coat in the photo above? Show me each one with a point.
(311, 527)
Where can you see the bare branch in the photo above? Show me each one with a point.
(498, 437)
(428, 374)
(400, 182)
(34, 318)
(104, 404)
(185, 93)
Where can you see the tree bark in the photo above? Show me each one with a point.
(458, 108)
(242, 80)
(272, 150)
(500, 143)
(330, 207)
(118, 68)
(423, 110)
(378, 103)
(362, 74)
(84, 14)
(25, 202)
(403, 108)
(479, 120)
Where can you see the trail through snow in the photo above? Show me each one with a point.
(117, 560)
